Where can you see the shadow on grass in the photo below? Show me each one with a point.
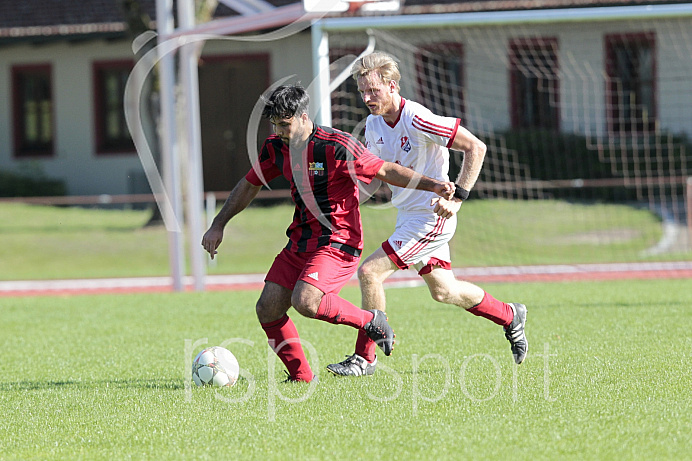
(159, 384)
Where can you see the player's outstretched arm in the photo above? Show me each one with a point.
(401, 176)
(239, 198)
(474, 154)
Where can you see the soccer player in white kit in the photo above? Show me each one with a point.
(405, 132)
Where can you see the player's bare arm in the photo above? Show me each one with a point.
(239, 198)
(474, 154)
(401, 176)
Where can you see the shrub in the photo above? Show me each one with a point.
(19, 185)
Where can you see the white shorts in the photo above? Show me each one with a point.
(421, 241)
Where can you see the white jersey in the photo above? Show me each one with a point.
(419, 140)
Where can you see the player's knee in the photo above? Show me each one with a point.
(441, 295)
(297, 302)
(264, 312)
(304, 304)
(366, 274)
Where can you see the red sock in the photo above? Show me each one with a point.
(285, 341)
(334, 309)
(365, 347)
(494, 310)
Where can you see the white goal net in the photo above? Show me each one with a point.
(588, 127)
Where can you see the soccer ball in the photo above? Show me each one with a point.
(215, 366)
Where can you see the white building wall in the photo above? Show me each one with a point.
(582, 71)
(75, 160)
(289, 56)
(487, 94)
(674, 67)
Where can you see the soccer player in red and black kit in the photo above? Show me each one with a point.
(325, 238)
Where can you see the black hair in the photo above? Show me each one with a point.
(286, 101)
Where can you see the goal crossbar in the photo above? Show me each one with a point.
(508, 17)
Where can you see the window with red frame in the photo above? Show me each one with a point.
(631, 84)
(534, 83)
(112, 133)
(33, 111)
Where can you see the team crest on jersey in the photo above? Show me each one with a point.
(405, 144)
(316, 169)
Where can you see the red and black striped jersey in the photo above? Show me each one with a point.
(324, 187)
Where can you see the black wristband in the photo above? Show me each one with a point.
(460, 192)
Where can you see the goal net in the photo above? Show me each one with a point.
(588, 127)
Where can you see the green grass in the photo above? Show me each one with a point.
(53, 243)
(103, 377)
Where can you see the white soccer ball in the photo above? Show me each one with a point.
(215, 366)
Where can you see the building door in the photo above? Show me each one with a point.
(229, 88)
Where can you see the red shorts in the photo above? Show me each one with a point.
(327, 269)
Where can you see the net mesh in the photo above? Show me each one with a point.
(593, 118)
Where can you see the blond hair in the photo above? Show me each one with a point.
(379, 63)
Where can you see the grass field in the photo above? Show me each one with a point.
(55, 243)
(107, 376)
(104, 377)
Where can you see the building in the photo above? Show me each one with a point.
(64, 66)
